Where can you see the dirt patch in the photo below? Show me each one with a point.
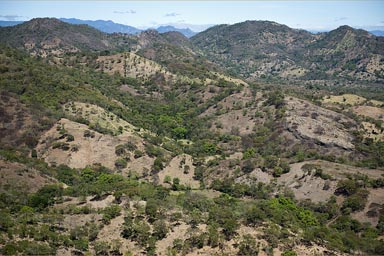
(177, 232)
(20, 177)
(256, 175)
(374, 204)
(181, 167)
(376, 103)
(79, 220)
(86, 150)
(139, 166)
(131, 65)
(82, 150)
(304, 250)
(345, 99)
(235, 114)
(307, 120)
(372, 131)
(306, 185)
(230, 79)
(340, 171)
(98, 116)
(370, 111)
(100, 204)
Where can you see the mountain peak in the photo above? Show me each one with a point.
(185, 31)
(55, 35)
(47, 23)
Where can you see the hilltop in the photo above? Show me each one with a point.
(263, 49)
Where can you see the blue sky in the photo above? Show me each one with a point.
(315, 15)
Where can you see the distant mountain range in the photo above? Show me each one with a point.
(106, 26)
(251, 49)
(109, 26)
(185, 31)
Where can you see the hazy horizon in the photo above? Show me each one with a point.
(310, 15)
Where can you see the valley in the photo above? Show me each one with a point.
(245, 139)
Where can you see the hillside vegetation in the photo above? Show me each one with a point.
(154, 145)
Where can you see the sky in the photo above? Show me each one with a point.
(311, 15)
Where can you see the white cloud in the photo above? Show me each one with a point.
(125, 12)
(172, 14)
(340, 19)
(11, 17)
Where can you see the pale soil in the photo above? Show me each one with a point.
(377, 103)
(140, 166)
(100, 149)
(20, 177)
(303, 250)
(370, 111)
(236, 155)
(132, 65)
(346, 99)
(232, 115)
(97, 115)
(176, 232)
(76, 220)
(375, 64)
(371, 131)
(97, 150)
(176, 169)
(256, 175)
(100, 204)
(230, 79)
(339, 171)
(311, 121)
(63, 252)
(307, 186)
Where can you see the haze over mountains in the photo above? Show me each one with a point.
(112, 27)
(244, 139)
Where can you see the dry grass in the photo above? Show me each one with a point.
(132, 65)
(184, 171)
(86, 151)
(20, 177)
(372, 131)
(311, 121)
(375, 199)
(345, 99)
(370, 111)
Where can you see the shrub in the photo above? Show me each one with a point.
(248, 166)
(61, 145)
(89, 134)
(160, 229)
(289, 253)
(70, 138)
(119, 150)
(121, 163)
(158, 164)
(248, 246)
(138, 154)
(357, 201)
